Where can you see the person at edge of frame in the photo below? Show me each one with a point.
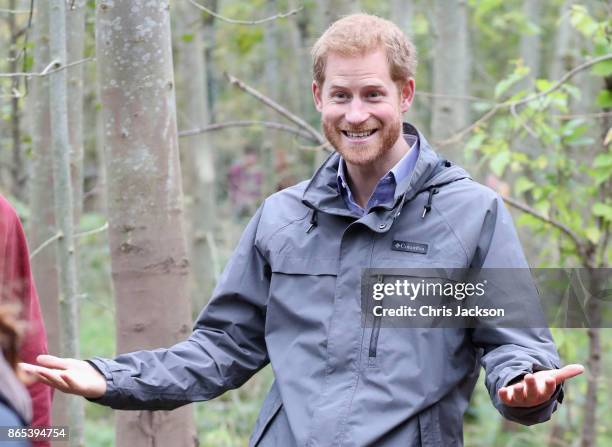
(15, 402)
(17, 286)
(290, 293)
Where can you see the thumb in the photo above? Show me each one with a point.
(567, 372)
(50, 361)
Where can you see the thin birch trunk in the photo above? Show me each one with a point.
(58, 97)
(42, 223)
(148, 255)
(272, 145)
(530, 46)
(75, 42)
(197, 152)
(17, 171)
(451, 64)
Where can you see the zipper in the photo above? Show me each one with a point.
(375, 330)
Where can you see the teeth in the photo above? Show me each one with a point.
(359, 134)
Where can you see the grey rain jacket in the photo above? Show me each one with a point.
(290, 295)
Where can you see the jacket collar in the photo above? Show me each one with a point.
(322, 191)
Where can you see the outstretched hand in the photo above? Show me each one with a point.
(67, 375)
(538, 387)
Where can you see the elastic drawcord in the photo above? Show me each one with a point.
(313, 221)
(427, 207)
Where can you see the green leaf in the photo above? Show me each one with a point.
(523, 184)
(543, 84)
(603, 68)
(593, 234)
(604, 99)
(499, 162)
(473, 144)
(603, 161)
(519, 73)
(603, 210)
(187, 37)
(582, 21)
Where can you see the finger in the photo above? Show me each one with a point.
(503, 395)
(550, 385)
(567, 372)
(27, 367)
(509, 395)
(518, 397)
(54, 379)
(531, 386)
(50, 361)
(43, 379)
(31, 369)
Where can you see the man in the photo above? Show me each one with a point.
(17, 285)
(290, 294)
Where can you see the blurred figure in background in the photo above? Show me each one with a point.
(15, 403)
(245, 183)
(17, 286)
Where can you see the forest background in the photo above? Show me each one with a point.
(126, 246)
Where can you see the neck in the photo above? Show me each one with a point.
(362, 179)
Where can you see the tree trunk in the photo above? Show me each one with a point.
(196, 151)
(42, 222)
(531, 42)
(451, 62)
(335, 9)
(401, 14)
(563, 57)
(68, 286)
(75, 34)
(272, 145)
(17, 171)
(147, 245)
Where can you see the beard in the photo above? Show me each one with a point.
(363, 154)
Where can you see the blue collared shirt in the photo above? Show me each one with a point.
(385, 188)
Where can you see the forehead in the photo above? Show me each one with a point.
(371, 67)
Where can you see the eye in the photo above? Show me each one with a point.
(374, 94)
(340, 96)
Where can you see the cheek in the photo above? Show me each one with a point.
(331, 113)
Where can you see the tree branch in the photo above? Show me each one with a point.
(51, 68)
(457, 97)
(277, 107)
(268, 124)
(44, 244)
(566, 77)
(94, 231)
(245, 22)
(565, 229)
(513, 104)
(59, 235)
(14, 11)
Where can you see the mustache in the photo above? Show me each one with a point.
(357, 129)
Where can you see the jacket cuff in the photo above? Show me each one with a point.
(113, 393)
(531, 415)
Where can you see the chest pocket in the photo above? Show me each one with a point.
(301, 297)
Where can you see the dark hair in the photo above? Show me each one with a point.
(11, 329)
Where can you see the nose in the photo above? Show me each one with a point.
(356, 113)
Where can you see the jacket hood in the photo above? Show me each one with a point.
(430, 171)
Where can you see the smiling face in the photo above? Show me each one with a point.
(361, 108)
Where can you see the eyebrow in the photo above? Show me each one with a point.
(366, 86)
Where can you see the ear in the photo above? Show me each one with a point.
(317, 91)
(407, 95)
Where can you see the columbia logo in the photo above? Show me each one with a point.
(411, 247)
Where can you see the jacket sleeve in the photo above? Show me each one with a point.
(510, 353)
(225, 349)
(16, 282)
